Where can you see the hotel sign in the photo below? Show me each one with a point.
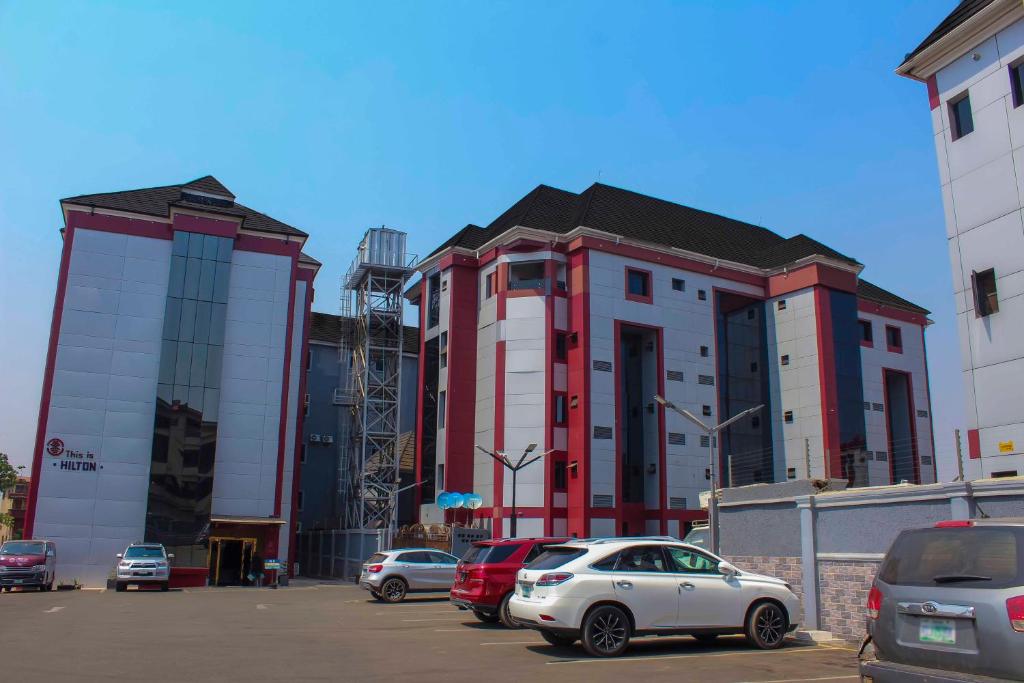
(71, 460)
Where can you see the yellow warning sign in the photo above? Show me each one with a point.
(1006, 447)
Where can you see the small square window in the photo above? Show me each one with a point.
(784, 360)
(444, 360)
(443, 342)
(961, 120)
(751, 313)
(986, 299)
(703, 352)
(560, 345)
(755, 421)
(706, 411)
(702, 295)
(1017, 83)
(489, 285)
(561, 414)
(782, 304)
(787, 417)
(753, 366)
(790, 473)
(441, 401)
(678, 285)
(560, 478)
(302, 453)
(444, 285)
(894, 338)
(867, 334)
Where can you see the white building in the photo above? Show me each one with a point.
(973, 65)
(171, 401)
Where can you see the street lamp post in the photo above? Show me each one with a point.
(711, 433)
(523, 462)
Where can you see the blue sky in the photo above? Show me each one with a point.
(429, 115)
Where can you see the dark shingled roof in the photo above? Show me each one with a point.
(647, 219)
(157, 201)
(872, 292)
(325, 327)
(961, 13)
(306, 258)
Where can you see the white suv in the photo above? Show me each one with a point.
(603, 591)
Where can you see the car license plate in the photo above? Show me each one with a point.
(142, 573)
(19, 581)
(527, 588)
(939, 631)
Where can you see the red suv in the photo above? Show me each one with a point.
(485, 577)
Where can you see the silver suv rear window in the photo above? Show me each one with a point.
(960, 557)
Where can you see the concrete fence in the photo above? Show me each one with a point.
(828, 545)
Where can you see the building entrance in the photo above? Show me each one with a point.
(230, 560)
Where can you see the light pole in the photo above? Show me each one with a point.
(709, 432)
(523, 462)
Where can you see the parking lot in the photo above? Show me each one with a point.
(334, 632)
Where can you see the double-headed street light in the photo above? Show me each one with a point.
(523, 462)
(711, 433)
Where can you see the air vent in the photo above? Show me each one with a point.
(603, 500)
(602, 432)
(881, 456)
(314, 438)
(922, 413)
(706, 380)
(204, 199)
(326, 438)
(705, 441)
(878, 406)
(676, 503)
(677, 438)
(602, 366)
(867, 405)
(676, 376)
(871, 455)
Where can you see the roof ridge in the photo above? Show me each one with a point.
(137, 189)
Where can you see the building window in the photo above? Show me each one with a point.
(560, 482)
(867, 334)
(309, 359)
(638, 285)
(1003, 474)
(560, 346)
(703, 352)
(298, 502)
(489, 285)
(302, 454)
(784, 360)
(894, 339)
(433, 300)
(986, 300)
(702, 295)
(444, 285)
(755, 422)
(787, 417)
(753, 366)
(782, 304)
(961, 121)
(443, 344)
(678, 285)
(561, 415)
(1017, 83)
(706, 411)
(790, 473)
(442, 398)
(529, 275)
(440, 476)
(560, 277)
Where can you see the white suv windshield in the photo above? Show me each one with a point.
(150, 553)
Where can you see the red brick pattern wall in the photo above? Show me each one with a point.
(842, 595)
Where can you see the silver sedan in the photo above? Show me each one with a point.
(393, 574)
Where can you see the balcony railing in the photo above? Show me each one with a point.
(532, 283)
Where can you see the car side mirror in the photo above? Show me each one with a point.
(120, 555)
(727, 569)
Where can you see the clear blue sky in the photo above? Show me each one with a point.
(429, 115)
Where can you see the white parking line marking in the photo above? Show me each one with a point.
(435, 619)
(52, 610)
(807, 680)
(518, 642)
(448, 612)
(651, 658)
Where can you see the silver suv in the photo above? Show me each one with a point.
(392, 574)
(143, 564)
(948, 604)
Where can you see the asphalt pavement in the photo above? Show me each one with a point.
(332, 632)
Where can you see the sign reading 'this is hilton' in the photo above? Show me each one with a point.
(71, 460)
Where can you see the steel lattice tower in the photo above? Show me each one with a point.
(371, 308)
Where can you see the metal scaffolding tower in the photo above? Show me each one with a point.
(371, 344)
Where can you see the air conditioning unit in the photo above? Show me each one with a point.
(314, 438)
(327, 438)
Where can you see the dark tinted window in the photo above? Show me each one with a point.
(376, 558)
(866, 333)
(962, 120)
(1017, 84)
(553, 558)
(645, 558)
(442, 558)
(560, 346)
(490, 554)
(959, 557)
(22, 548)
(416, 557)
(638, 282)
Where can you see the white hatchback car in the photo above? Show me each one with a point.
(604, 591)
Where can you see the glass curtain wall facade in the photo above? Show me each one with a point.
(188, 396)
(849, 387)
(745, 453)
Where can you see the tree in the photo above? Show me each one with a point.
(8, 478)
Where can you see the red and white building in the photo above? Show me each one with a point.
(558, 323)
(172, 397)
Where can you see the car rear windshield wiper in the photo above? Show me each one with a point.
(953, 578)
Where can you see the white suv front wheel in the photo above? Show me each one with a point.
(766, 626)
(605, 631)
